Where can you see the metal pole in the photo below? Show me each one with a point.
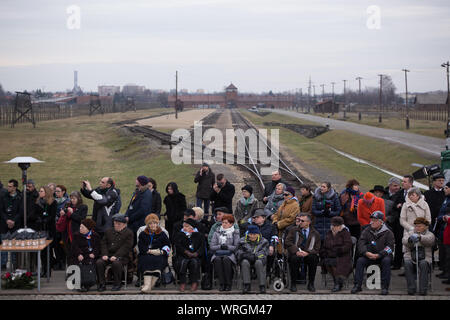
(332, 90)
(176, 94)
(406, 98)
(345, 99)
(380, 99)
(448, 105)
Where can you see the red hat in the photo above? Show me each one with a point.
(369, 196)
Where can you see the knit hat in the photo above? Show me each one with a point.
(119, 217)
(337, 221)
(31, 181)
(290, 190)
(421, 220)
(369, 196)
(143, 180)
(252, 229)
(151, 217)
(377, 215)
(248, 188)
(88, 223)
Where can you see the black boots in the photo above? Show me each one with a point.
(357, 288)
(338, 284)
(246, 288)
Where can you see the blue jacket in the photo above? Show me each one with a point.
(140, 206)
(439, 226)
(324, 207)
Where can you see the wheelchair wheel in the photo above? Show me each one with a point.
(278, 285)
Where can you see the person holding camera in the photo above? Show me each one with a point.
(107, 202)
(223, 193)
(375, 246)
(205, 179)
(417, 248)
(70, 218)
(252, 252)
(325, 205)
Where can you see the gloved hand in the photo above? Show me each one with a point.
(155, 252)
(414, 238)
(224, 247)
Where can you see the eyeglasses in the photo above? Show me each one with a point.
(287, 194)
(300, 220)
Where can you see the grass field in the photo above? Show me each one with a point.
(317, 153)
(423, 127)
(90, 148)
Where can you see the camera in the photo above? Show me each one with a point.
(426, 171)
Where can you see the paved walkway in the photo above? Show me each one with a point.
(429, 145)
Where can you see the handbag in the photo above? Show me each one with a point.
(167, 277)
(88, 275)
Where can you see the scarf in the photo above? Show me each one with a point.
(225, 234)
(248, 201)
(88, 238)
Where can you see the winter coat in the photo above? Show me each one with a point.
(140, 206)
(273, 203)
(427, 241)
(107, 203)
(156, 203)
(253, 250)
(446, 235)
(147, 241)
(376, 241)
(365, 211)
(224, 198)
(398, 198)
(268, 230)
(69, 224)
(440, 224)
(11, 208)
(214, 227)
(43, 218)
(324, 207)
(295, 238)
(339, 246)
(305, 203)
(285, 215)
(80, 246)
(175, 204)
(205, 184)
(60, 205)
(118, 244)
(231, 241)
(411, 211)
(349, 200)
(183, 241)
(434, 198)
(245, 208)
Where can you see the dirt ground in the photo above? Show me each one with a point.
(185, 119)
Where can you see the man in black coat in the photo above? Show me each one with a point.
(140, 206)
(223, 193)
(269, 188)
(106, 203)
(116, 247)
(11, 208)
(3, 191)
(205, 179)
(175, 203)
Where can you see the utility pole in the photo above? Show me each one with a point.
(309, 94)
(406, 98)
(447, 132)
(380, 99)
(314, 91)
(176, 94)
(359, 80)
(345, 98)
(301, 98)
(332, 93)
(323, 91)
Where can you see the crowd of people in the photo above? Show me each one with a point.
(394, 226)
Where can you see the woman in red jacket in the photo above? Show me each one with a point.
(368, 205)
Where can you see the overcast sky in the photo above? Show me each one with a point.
(259, 45)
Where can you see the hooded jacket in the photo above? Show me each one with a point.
(411, 211)
(324, 207)
(376, 241)
(175, 203)
(364, 211)
(253, 250)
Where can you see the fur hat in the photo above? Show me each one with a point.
(421, 220)
(337, 221)
(151, 217)
(248, 188)
(88, 223)
(143, 180)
